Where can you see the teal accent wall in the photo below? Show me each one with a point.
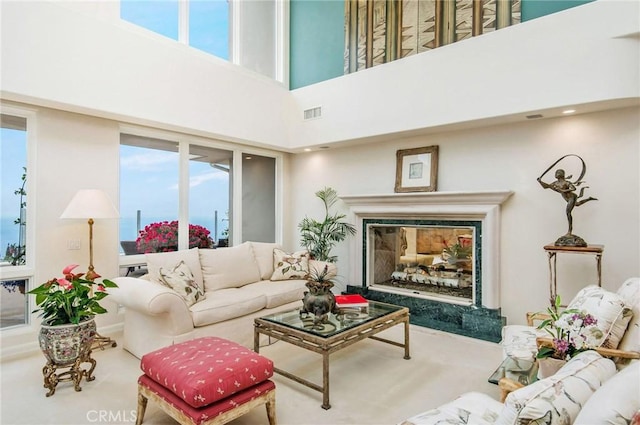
(316, 41)
(316, 51)
(532, 9)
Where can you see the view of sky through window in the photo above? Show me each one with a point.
(13, 157)
(208, 21)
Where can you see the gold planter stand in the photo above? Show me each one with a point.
(75, 373)
(66, 348)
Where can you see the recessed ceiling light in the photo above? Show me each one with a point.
(568, 111)
(307, 149)
(248, 157)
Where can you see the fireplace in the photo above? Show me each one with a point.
(431, 259)
(436, 253)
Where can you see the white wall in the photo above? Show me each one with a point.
(510, 157)
(62, 57)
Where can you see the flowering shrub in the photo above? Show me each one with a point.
(70, 299)
(572, 331)
(163, 237)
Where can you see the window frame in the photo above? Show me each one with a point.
(26, 271)
(184, 141)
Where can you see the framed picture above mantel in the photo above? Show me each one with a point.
(417, 169)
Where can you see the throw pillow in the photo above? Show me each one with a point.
(615, 402)
(191, 258)
(630, 292)
(180, 279)
(608, 308)
(558, 398)
(290, 266)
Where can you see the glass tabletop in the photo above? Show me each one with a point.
(344, 320)
(519, 370)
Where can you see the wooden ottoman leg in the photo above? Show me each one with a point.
(142, 406)
(271, 407)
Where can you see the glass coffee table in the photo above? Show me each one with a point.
(340, 331)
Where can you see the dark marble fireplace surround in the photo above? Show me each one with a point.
(478, 318)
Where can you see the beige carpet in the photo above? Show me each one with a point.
(371, 383)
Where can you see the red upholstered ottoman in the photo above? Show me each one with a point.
(206, 381)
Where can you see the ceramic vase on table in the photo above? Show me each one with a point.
(67, 346)
(548, 366)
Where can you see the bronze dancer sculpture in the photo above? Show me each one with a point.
(567, 188)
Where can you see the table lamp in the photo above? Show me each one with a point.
(91, 204)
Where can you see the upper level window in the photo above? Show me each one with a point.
(202, 24)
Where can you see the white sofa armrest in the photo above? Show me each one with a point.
(150, 298)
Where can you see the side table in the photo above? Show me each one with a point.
(552, 252)
(514, 373)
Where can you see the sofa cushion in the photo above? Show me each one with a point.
(630, 292)
(290, 266)
(469, 408)
(558, 398)
(278, 293)
(609, 308)
(180, 279)
(228, 267)
(225, 304)
(616, 401)
(263, 252)
(169, 259)
(205, 370)
(519, 341)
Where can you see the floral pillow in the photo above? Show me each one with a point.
(180, 279)
(290, 266)
(608, 308)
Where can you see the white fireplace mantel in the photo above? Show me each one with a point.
(480, 205)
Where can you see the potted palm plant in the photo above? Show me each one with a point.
(319, 237)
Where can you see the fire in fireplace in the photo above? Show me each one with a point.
(431, 259)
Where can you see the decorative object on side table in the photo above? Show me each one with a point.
(68, 306)
(567, 189)
(319, 237)
(319, 300)
(572, 332)
(417, 169)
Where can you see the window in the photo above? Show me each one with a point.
(148, 190)
(13, 225)
(206, 21)
(150, 194)
(209, 190)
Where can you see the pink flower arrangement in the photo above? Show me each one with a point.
(163, 237)
(70, 299)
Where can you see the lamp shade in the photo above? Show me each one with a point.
(90, 203)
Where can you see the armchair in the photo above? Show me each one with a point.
(618, 316)
(553, 400)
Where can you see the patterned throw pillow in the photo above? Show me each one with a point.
(610, 309)
(290, 266)
(180, 279)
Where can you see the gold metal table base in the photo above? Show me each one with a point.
(101, 342)
(553, 250)
(326, 346)
(75, 373)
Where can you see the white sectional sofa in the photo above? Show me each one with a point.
(233, 288)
